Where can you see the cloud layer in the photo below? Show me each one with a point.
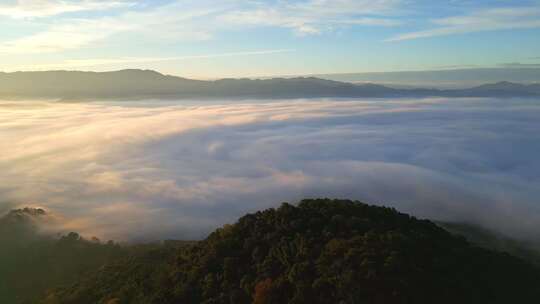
(164, 170)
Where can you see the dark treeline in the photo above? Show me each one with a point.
(320, 251)
(31, 262)
(527, 250)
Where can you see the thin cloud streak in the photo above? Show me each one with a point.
(84, 63)
(486, 20)
(314, 17)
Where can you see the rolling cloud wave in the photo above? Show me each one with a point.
(152, 171)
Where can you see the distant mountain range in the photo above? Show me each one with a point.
(449, 78)
(146, 84)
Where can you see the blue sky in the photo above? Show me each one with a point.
(232, 38)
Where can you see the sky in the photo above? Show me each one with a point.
(231, 38)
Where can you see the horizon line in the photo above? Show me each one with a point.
(312, 74)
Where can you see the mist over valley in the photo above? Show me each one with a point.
(150, 171)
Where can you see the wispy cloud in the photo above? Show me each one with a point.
(485, 20)
(186, 20)
(45, 8)
(97, 29)
(166, 22)
(314, 16)
(65, 36)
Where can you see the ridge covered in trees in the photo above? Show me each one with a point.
(320, 251)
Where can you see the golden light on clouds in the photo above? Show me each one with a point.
(155, 169)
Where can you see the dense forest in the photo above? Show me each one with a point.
(319, 251)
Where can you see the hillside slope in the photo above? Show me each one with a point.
(321, 251)
(32, 262)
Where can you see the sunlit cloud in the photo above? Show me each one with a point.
(85, 63)
(45, 8)
(72, 35)
(171, 22)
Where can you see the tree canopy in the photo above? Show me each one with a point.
(320, 251)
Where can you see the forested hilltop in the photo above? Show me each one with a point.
(320, 251)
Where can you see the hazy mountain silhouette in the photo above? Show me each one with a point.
(143, 84)
(452, 77)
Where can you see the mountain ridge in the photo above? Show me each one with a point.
(148, 84)
(450, 77)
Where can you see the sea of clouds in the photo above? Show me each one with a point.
(155, 170)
